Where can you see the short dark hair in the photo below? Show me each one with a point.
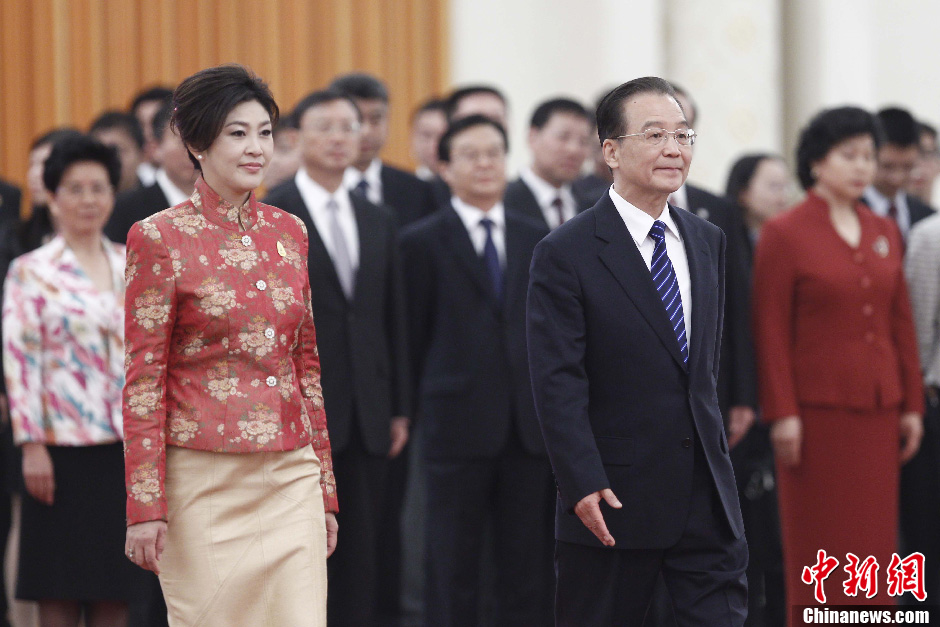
(453, 100)
(161, 120)
(611, 118)
(825, 130)
(75, 149)
(544, 112)
(899, 126)
(362, 86)
(431, 104)
(157, 92)
(317, 98)
(461, 125)
(681, 91)
(121, 121)
(742, 173)
(55, 135)
(202, 102)
(925, 128)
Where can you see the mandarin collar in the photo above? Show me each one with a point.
(221, 212)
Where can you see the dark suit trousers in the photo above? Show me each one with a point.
(920, 501)
(351, 570)
(703, 571)
(463, 496)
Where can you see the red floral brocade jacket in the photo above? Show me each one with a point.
(221, 350)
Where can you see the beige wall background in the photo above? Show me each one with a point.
(64, 61)
(758, 69)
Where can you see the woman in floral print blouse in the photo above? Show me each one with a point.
(230, 490)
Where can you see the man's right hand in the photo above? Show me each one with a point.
(588, 510)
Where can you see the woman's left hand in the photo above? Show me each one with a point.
(912, 430)
(332, 529)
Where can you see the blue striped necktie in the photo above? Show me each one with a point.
(664, 278)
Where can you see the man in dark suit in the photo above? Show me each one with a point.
(359, 309)
(897, 157)
(559, 138)
(173, 181)
(625, 312)
(409, 196)
(464, 101)
(466, 269)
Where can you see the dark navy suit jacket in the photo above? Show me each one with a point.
(618, 407)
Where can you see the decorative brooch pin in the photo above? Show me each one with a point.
(881, 246)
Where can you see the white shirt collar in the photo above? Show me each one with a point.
(639, 222)
(880, 203)
(372, 175)
(545, 193)
(471, 216)
(174, 195)
(315, 195)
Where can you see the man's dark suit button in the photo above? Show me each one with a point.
(687, 443)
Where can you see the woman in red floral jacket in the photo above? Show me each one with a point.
(226, 448)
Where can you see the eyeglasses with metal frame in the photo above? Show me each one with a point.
(656, 136)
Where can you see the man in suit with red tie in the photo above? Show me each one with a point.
(466, 271)
(625, 312)
(897, 157)
(560, 139)
(359, 309)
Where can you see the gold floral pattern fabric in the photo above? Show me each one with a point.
(221, 349)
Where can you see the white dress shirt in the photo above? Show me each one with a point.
(316, 198)
(424, 173)
(546, 193)
(639, 224)
(147, 173)
(471, 217)
(372, 176)
(174, 195)
(880, 204)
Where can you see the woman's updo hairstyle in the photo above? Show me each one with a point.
(203, 101)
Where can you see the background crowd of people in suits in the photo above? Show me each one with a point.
(419, 289)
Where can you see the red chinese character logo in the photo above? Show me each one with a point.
(907, 575)
(862, 576)
(817, 573)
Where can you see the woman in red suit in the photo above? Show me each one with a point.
(230, 490)
(837, 356)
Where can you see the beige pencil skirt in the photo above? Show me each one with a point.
(246, 539)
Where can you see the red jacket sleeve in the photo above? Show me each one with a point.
(150, 313)
(773, 312)
(307, 364)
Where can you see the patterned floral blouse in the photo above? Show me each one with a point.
(221, 349)
(63, 348)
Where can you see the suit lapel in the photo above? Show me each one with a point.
(625, 262)
(703, 293)
(515, 270)
(523, 201)
(317, 256)
(369, 244)
(458, 241)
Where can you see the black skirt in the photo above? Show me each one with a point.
(74, 549)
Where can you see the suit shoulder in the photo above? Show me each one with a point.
(919, 210)
(574, 232)
(280, 193)
(526, 224)
(928, 228)
(400, 176)
(423, 227)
